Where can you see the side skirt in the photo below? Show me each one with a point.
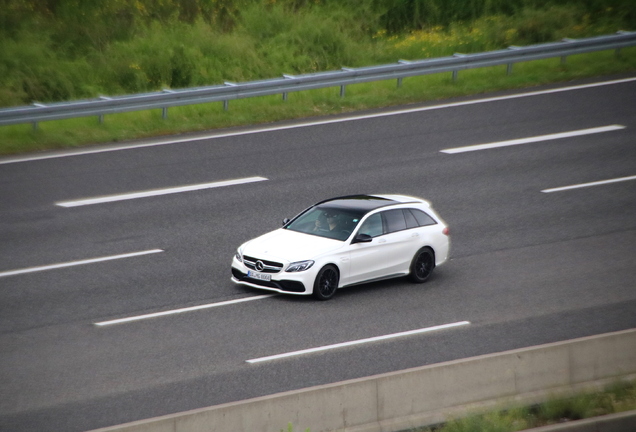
(393, 276)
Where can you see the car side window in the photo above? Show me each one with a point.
(394, 220)
(422, 218)
(372, 226)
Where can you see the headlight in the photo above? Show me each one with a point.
(299, 266)
(238, 256)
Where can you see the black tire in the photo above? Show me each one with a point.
(326, 283)
(422, 265)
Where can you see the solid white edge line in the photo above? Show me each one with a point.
(584, 185)
(358, 342)
(314, 123)
(533, 139)
(157, 192)
(182, 310)
(76, 263)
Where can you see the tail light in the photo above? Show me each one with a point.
(446, 231)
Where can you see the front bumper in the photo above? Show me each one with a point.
(282, 282)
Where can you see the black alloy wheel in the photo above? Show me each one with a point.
(422, 265)
(326, 283)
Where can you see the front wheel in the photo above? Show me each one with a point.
(326, 283)
(422, 265)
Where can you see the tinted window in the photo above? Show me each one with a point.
(372, 226)
(394, 220)
(328, 222)
(411, 222)
(422, 218)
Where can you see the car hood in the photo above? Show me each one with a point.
(287, 245)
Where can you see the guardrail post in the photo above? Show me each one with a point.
(342, 87)
(287, 77)
(100, 117)
(164, 110)
(456, 71)
(226, 102)
(509, 66)
(35, 124)
(618, 50)
(399, 80)
(563, 58)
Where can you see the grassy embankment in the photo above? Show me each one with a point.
(51, 55)
(615, 398)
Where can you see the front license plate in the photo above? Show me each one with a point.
(259, 276)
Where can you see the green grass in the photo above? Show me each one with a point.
(127, 126)
(68, 50)
(615, 398)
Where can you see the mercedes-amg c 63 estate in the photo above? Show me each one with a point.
(345, 241)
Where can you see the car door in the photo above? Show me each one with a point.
(366, 259)
(388, 253)
(402, 241)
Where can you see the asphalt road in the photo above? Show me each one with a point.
(529, 266)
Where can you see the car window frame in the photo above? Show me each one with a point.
(412, 211)
(385, 230)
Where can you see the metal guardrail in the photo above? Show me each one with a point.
(290, 83)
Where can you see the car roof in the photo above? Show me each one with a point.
(367, 203)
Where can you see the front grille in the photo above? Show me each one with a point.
(268, 266)
(284, 285)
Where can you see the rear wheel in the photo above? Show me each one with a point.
(422, 265)
(326, 283)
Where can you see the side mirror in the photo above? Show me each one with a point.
(362, 238)
(285, 221)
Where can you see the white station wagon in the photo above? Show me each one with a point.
(345, 241)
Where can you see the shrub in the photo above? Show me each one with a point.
(65, 49)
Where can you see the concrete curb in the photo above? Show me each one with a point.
(421, 396)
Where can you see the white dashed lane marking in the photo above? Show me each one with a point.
(584, 185)
(158, 192)
(76, 263)
(359, 342)
(535, 139)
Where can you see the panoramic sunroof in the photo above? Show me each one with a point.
(363, 202)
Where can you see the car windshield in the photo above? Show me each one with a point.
(325, 221)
